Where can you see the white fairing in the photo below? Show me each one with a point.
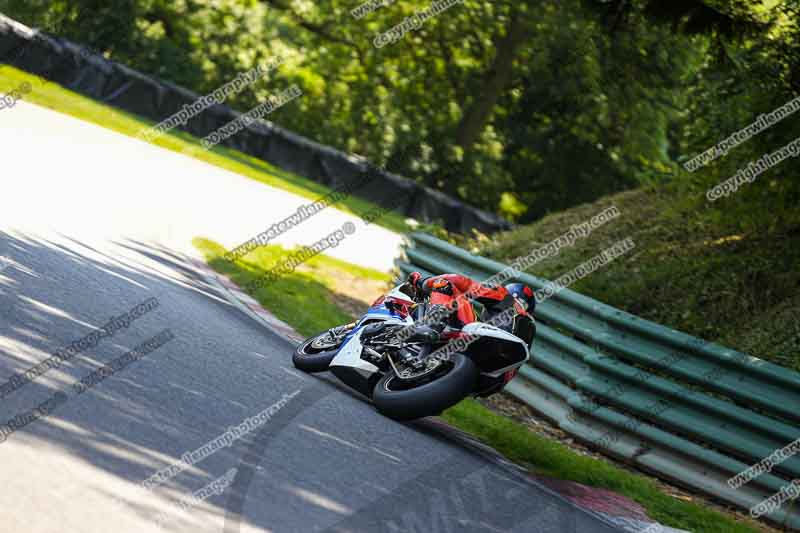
(350, 356)
(397, 294)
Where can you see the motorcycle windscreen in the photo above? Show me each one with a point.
(525, 328)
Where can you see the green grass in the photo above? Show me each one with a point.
(57, 98)
(550, 458)
(305, 298)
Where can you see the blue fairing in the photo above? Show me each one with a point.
(380, 310)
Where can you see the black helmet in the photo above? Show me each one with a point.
(524, 294)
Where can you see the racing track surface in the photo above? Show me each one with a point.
(324, 461)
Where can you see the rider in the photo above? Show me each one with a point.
(456, 290)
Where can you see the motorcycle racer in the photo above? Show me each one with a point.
(456, 291)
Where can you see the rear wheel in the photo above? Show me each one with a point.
(316, 353)
(430, 393)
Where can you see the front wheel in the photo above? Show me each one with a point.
(316, 353)
(407, 400)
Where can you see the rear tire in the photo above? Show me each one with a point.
(428, 399)
(311, 360)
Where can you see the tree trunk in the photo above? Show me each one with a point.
(495, 80)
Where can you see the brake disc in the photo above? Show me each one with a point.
(326, 341)
(410, 374)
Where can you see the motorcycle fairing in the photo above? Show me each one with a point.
(512, 352)
(348, 365)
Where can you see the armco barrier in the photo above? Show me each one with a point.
(68, 64)
(690, 411)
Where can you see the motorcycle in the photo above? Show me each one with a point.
(411, 367)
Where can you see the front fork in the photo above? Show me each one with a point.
(342, 330)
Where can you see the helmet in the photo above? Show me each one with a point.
(524, 294)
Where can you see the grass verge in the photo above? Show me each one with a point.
(52, 96)
(306, 299)
(553, 459)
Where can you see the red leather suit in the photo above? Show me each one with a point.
(446, 288)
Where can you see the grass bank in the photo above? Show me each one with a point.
(321, 293)
(689, 270)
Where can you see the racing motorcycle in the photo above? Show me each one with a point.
(412, 367)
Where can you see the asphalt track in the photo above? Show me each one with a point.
(325, 461)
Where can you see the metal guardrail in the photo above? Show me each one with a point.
(690, 411)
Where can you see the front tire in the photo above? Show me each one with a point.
(427, 399)
(314, 355)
